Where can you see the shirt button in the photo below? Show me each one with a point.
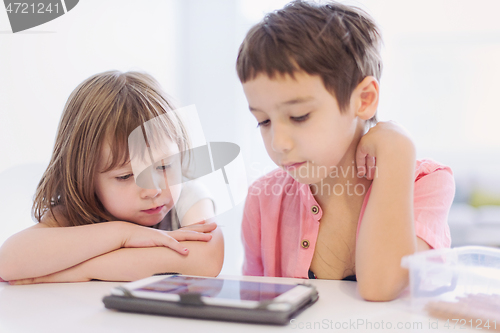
(315, 209)
(305, 244)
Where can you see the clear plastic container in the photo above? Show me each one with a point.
(446, 274)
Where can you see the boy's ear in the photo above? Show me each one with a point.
(365, 98)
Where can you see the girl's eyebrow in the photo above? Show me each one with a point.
(124, 167)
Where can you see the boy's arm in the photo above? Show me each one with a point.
(46, 248)
(130, 264)
(387, 230)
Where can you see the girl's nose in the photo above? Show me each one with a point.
(150, 193)
(281, 139)
(151, 183)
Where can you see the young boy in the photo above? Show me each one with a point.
(346, 203)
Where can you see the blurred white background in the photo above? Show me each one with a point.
(441, 61)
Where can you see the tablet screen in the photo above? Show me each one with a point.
(219, 288)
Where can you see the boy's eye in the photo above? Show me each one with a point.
(301, 118)
(125, 177)
(263, 123)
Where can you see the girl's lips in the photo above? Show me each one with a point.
(155, 210)
(293, 166)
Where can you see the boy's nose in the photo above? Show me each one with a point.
(281, 139)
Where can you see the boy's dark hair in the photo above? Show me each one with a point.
(337, 42)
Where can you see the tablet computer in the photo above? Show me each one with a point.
(213, 298)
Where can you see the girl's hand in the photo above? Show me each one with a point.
(387, 136)
(139, 236)
(201, 226)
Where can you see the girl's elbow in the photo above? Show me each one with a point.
(4, 275)
(214, 269)
(206, 258)
(9, 271)
(210, 265)
(215, 258)
(8, 274)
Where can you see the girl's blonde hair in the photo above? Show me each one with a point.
(105, 107)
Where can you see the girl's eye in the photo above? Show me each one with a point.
(125, 177)
(163, 167)
(301, 118)
(263, 123)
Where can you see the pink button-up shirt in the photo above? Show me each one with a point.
(281, 216)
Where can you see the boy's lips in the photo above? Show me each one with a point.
(154, 210)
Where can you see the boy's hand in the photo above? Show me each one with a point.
(383, 138)
(139, 236)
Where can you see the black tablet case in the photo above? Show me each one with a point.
(191, 306)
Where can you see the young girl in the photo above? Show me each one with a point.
(347, 203)
(90, 181)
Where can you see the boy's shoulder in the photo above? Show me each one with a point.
(427, 166)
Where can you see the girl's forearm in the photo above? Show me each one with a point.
(387, 229)
(40, 250)
(130, 264)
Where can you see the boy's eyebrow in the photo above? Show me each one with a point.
(294, 101)
(297, 101)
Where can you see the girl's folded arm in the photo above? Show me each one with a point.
(129, 264)
(146, 258)
(205, 258)
(42, 249)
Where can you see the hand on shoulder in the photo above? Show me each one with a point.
(387, 140)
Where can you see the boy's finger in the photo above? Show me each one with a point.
(370, 164)
(361, 162)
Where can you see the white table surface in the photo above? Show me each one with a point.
(78, 307)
